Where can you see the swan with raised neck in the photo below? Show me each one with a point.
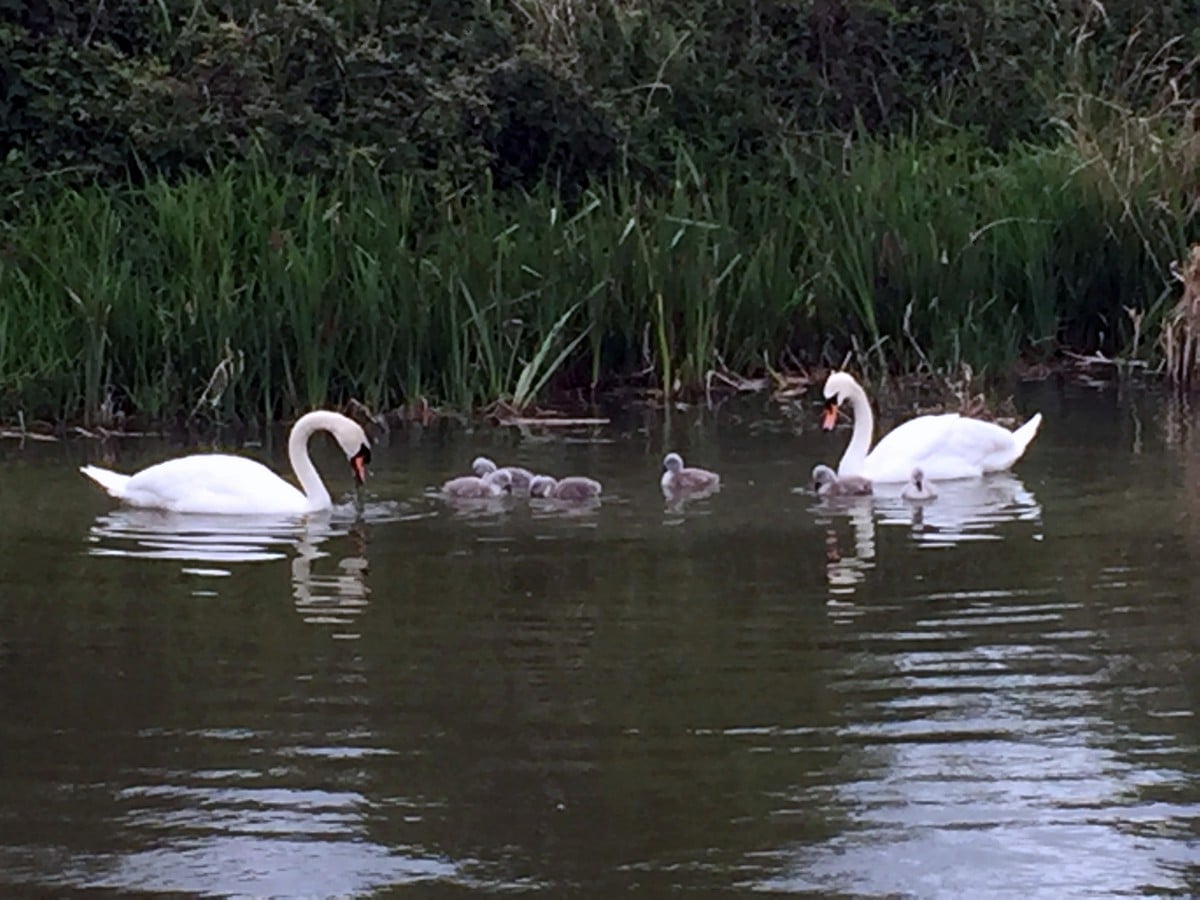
(944, 446)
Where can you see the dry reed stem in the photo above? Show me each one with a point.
(1180, 339)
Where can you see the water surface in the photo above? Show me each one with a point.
(991, 695)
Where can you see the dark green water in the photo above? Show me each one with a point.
(756, 692)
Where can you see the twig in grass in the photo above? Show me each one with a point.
(223, 375)
(21, 435)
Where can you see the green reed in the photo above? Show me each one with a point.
(253, 293)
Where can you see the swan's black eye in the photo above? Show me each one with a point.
(364, 453)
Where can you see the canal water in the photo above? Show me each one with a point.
(993, 694)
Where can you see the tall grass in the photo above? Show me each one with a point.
(257, 294)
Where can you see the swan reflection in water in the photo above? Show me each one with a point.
(210, 546)
(332, 598)
(135, 533)
(969, 509)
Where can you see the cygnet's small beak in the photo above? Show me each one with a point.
(358, 463)
(829, 419)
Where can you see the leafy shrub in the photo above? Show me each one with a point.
(561, 89)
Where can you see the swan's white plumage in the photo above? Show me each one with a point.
(944, 447)
(112, 482)
(223, 484)
(208, 483)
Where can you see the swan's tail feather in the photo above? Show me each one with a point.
(1026, 433)
(113, 482)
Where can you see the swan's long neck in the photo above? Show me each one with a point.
(854, 460)
(302, 465)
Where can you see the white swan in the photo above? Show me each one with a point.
(220, 484)
(944, 446)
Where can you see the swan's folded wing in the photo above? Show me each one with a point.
(917, 442)
(945, 446)
(212, 483)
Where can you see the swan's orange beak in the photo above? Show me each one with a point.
(358, 463)
(829, 419)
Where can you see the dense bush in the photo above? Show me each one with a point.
(564, 89)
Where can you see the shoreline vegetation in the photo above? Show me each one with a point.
(549, 236)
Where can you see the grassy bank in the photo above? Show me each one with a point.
(258, 294)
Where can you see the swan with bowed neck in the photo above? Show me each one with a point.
(495, 483)
(943, 446)
(572, 488)
(827, 484)
(222, 484)
(519, 478)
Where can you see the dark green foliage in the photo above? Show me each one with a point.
(561, 89)
(265, 204)
(171, 88)
(264, 294)
(540, 128)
